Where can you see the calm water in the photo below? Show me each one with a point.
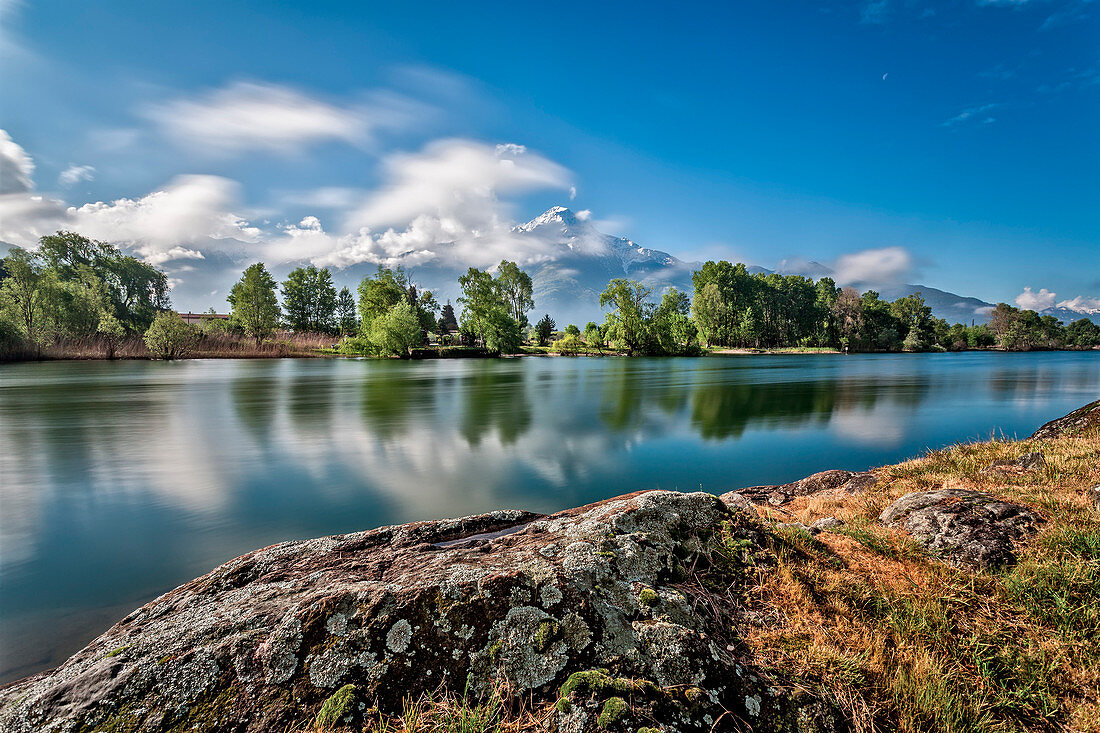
(118, 481)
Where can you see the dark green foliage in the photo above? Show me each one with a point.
(346, 317)
(544, 329)
(488, 308)
(309, 300)
(255, 309)
(71, 285)
(169, 337)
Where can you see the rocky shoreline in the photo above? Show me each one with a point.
(626, 614)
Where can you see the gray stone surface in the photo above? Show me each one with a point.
(964, 528)
(260, 643)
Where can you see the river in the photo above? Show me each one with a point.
(121, 480)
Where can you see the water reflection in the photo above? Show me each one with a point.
(121, 480)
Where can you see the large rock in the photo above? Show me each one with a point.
(964, 528)
(835, 480)
(1076, 422)
(365, 619)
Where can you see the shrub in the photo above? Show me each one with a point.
(169, 337)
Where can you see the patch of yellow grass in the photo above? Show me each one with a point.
(904, 642)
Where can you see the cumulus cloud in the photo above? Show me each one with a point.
(1081, 304)
(456, 179)
(188, 211)
(74, 174)
(248, 116)
(16, 167)
(448, 201)
(1036, 301)
(879, 266)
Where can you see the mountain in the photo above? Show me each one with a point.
(568, 284)
(948, 306)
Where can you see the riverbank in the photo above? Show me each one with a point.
(312, 346)
(834, 599)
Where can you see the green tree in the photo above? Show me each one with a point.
(111, 332)
(572, 330)
(169, 337)
(137, 291)
(516, 288)
(448, 318)
(593, 337)
(631, 313)
(255, 309)
(396, 332)
(20, 298)
(378, 294)
(848, 317)
(544, 329)
(309, 300)
(915, 320)
(480, 298)
(1083, 333)
(673, 327)
(346, 313)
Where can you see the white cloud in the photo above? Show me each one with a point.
(16, 167)
(1036, 301)
(326, 197)
(248, 116)
(447, 202)
(1082, 304)
(74, 174)
(190, 210)
(883, 265)
(456, 179)
(976, 115)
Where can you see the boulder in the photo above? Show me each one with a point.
(576, 609)
(1079, 420)
(1027, 463)
(827, 524)
(838, 480)
(965, 528)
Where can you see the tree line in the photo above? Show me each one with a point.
(73, 287)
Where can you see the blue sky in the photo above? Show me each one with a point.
(960, 134)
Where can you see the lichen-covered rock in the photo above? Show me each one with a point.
(965, 528)
(835, 480)
(1076, 422)
(323, 630)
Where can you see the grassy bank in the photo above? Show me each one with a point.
(905, 642)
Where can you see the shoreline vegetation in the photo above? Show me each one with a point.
(75, 298)
(848, 620)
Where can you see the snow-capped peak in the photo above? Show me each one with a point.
(555, 215)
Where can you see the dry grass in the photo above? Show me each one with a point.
(903, 642)
(501, 711)
(208, 346)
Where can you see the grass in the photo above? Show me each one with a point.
(209, 346)
(446, 712)
(903, 642)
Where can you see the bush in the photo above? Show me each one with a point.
(397, 332)
(569, 344)
(169, 337)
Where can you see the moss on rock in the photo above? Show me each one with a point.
(613, 711)
(339, 706)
